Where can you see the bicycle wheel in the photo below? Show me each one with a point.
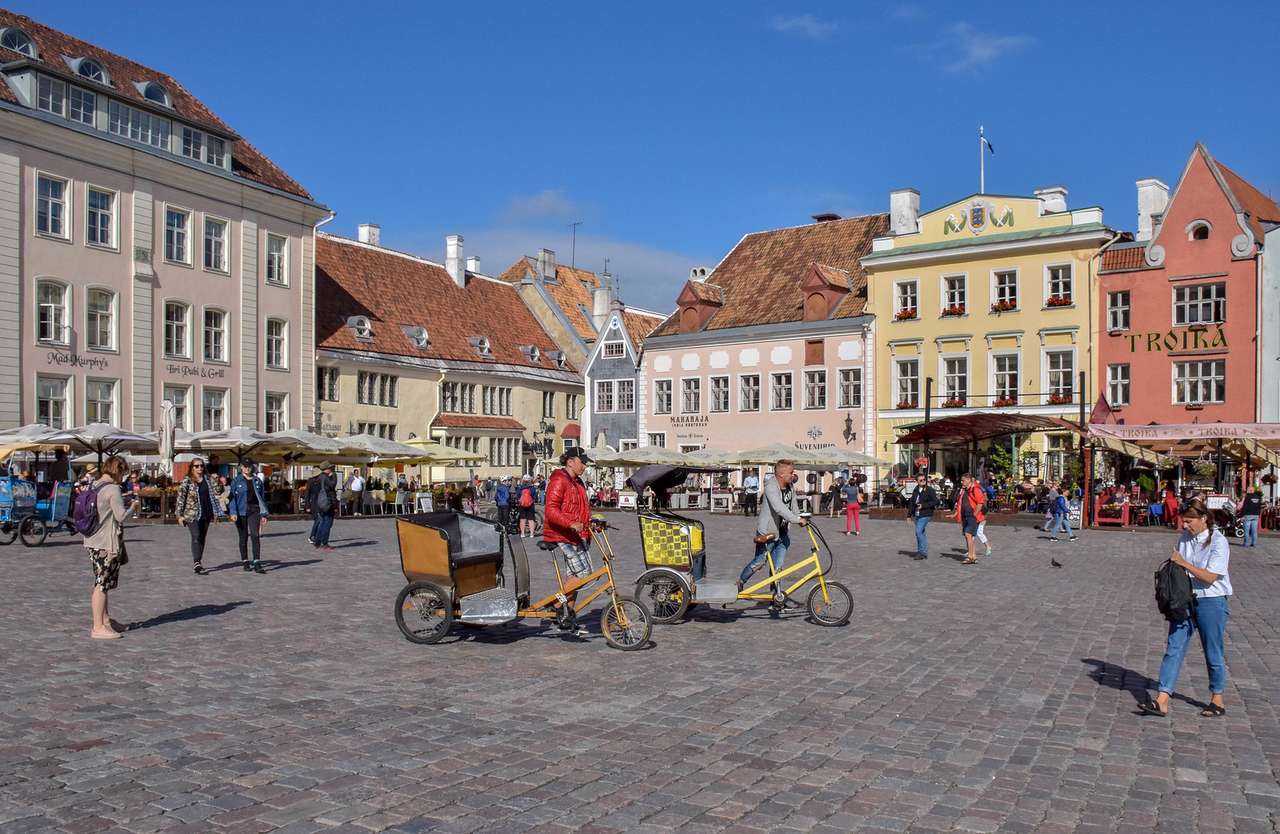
(424, 612)
(33, 531)
(625, 624)
(8, 532)
(835, 610)
(665, 595)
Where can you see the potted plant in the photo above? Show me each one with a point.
(1060, 399)
(953, 402)
(1058, 301)
(904, 314)
(953, 310)
(1004, 306)
(1005, 402)
(908, 404)
(1205, 469)
(1269, 478)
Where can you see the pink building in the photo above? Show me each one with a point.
(146, 250)
(773, 345)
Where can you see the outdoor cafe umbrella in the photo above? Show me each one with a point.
(30, 433)
(306, 446)
(102, 439)
(440, 453)
(239, 441)
(836, 457)
(643, 456)
(772, 453)
(167, 434)
(380, 450)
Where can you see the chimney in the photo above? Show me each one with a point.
(904, 211)
(825, 217)
(698, 274)
(473, 264)
(547, 265)
(1153, 199)
(600, 299)
(1053, 198)
(370, 233)
(453, 260)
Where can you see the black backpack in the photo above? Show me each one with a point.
(1174, 597)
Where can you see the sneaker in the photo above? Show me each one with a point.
(1054, 539)
(988, 550)
(920, 557)
(200, 571)
(857, 533)
(1073, 538)
(847, 533)
(244, 566)
(258, 568)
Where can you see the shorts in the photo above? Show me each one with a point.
(577, 559)
(970, 525)
(106, 569)
(526, 514)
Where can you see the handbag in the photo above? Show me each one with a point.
(123, 558)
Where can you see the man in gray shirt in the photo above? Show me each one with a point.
(777, 510)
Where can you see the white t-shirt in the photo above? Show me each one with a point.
(356, 484)
(751, 484)
(1212, 554)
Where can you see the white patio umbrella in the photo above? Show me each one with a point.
(771, 453)
(381, 450)
(168, 432)
(837, 457)
(239, 441)
(441, 453)
(30, 433)
(644, 456)
(103, 439)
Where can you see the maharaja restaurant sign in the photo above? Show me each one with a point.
(1195, 338)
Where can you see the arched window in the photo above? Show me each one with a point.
(92, 70)
(815, 307)
(18, 41)
(155, 91)
(1198, 230)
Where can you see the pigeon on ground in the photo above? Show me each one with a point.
(1055, 562)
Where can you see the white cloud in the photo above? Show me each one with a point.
(964, 48)
(804, 24)
(549, 205)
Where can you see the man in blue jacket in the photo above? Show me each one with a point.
(247, 506)
(502, 497)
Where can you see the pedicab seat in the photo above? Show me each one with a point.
(459, 551)
(671, 541)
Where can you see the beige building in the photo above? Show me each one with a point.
(412, 348)
(147, 252)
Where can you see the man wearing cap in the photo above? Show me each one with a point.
(502, 497)
(322, 498)
(247, 506)
(568, 517)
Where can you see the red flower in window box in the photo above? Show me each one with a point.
(903, 315)
(1058, 301)
(954, 402)
(1060, 399)
(1004, 306)
(1005, 402)
(953, 310)
(908, 404)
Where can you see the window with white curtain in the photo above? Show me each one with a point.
(100, 319)
(52, 313)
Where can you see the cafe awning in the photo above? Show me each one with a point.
(982, 425)
(1133, 450)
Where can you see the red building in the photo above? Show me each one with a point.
(1185, 296)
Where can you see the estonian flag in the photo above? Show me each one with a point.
(990, 146)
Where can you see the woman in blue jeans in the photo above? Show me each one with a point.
(1204, 552)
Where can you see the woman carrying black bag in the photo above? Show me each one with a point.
(1204, 553)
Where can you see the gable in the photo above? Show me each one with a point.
(980, 215)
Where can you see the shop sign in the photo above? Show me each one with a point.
(65, 359)
(685, 421)
(195, 370)
(1030, 465)
(1187, 339)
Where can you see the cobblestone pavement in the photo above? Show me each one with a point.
(995, 698)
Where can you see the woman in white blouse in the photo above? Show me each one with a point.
(1204, 552)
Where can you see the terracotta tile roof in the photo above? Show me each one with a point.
(51, 45)
(572, 431)
(1257, 205)
(1124, 258)
(640, 324)
(705, 291)
(572, 291)
(835, 277)
(393, 289)
(475, 421)
(761, 276)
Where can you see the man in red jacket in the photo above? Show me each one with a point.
(567, 512)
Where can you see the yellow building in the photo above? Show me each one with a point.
(992, 298)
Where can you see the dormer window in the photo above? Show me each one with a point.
(481, 344)
(557, 357)
(418, 335)
(18, 41)
(361, 327)
(1198, 230)
(532, 351)
(155, 91)
(92, 70)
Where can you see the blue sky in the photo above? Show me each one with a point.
(671, 129)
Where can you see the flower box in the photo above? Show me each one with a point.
(1060, 399)
(1005, 402)
(1004, 306)
(1058, 301)
(903, 315)
(953, 310)
(955, 402)
(908, 404)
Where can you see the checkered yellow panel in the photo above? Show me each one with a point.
(666, 543)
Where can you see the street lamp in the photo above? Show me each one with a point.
(848, 428)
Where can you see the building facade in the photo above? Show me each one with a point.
(147, 252)
(411, 348)
(773, 345)
(993, 298)
(1194, 288)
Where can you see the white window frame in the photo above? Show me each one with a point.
(671, 397)
(548, 405)
(327, 380)
(842, 402)
(660, 436)
(1048, 284)
(1046, 371)
(56, 85)
(68, 398)
(820, 389)
(711, 394)
(226, 335)
(114, 312)
(1114, 310)
(225, 268)
(282, 262)
(283, 363)
(614, 349)
(64, 340)
(1217, 305)
(1114, 383)
(65, 203)
(164, 335)
(204, 408)
(791, 386)
(604, 396)
(945, 393)
(744, 389)
(697, 392)
(898, 305)
(186, 241)
(898, 395)
(945, 293)
(113, 416)
(993, 362)
(1198, 380)
(89, 96)
(112, 213)
(621, 405)
(571, 411)
(266, 411)
(1017, 286)
(184, 415)
(128, 122)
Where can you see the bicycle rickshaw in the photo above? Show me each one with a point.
(454, 564)
(19, 517)
(675, 557)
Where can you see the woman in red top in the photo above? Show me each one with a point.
(969, 512)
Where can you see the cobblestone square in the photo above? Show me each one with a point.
(995, 698)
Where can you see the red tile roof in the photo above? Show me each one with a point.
(1257, 205)
(1123, 259)
(833, 276)
(52, 45)
(761, 277)
(572, 291)
(393, 289)
(572, 431)
(640, 324)
(475, 421)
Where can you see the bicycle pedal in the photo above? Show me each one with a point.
(562, 599)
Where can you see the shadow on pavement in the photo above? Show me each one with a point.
(282, 533)
(191, 612)
(276, 564)
(1135, 683)
(356, 543)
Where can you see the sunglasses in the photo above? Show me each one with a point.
(197, 466)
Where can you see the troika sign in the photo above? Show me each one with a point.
(1196, 338)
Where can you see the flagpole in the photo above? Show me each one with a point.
(982, 164)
